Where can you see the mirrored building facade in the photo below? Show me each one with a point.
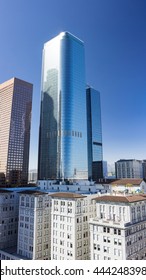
(94, 133)
(63, 123)
(15, 118)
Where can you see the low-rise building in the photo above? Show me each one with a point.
(129, 186)
(81, 187)
(119, 230)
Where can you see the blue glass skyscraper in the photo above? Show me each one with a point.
(63, 123)
(94, 133)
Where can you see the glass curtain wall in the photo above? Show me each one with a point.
(63, 125)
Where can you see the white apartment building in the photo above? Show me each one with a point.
(82, 186)
(71, 213)
(34, 231)
(9, 208)
(128, 186)
(119, 230)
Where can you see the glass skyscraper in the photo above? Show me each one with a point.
(63, 120)
(94, 133)
(15, 118)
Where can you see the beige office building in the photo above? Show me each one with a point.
(15, 117)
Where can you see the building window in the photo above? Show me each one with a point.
(119, 232)
(98, 247)
(119, 242)
(115, 241)
(105, 249)
(108, 240)
(108, 230)
(104, 239)
(115, 231)
(104, 229)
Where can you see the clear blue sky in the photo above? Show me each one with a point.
(114, 33)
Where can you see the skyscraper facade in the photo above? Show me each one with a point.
(129, 168)
(63, 123)
(144, 168)
(94, 132)
(15, 117)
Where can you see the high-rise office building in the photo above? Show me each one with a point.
(15, 116)
(63, 123)
(144, 168)
(105, 169)
(129, 168)
(94, 132)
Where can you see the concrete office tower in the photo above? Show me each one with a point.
(63, 124)
(128, 168)
(119, 230)
(70, 225)
(15, 117)
(94, 132)
(34, 230)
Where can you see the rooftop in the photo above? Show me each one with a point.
(32, 192)
(15, 80)
(116, 198)
(13, 252)
(129, 181)
(5, 191)
(66, 34)
(121, 160)
(67, 195)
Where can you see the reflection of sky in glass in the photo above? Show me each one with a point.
(66, 94)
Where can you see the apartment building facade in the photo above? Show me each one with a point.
(9, 211)
(34, 230)
(70, 226)
(119, 230)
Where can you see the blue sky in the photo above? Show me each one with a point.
(114, 33)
